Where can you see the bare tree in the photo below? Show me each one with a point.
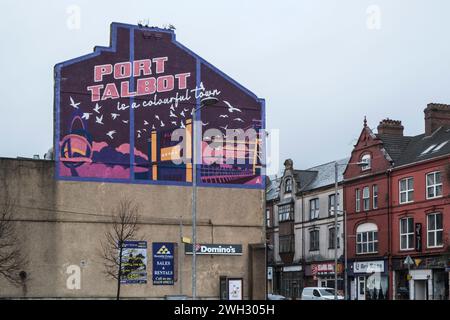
(124, 228)
(12, 259)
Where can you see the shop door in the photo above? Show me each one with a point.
(361, 288)
(420, 289)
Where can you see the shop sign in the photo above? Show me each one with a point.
(322, 268)
(216, 249)
(292, 268)
(269, 273)
(325, 268)
(418, 234)
(368, 266)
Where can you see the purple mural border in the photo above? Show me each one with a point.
(113, 48)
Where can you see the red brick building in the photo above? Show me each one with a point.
(397, 205)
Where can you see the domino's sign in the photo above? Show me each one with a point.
(215, 249)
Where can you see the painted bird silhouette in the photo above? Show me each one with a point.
(97, 108)
(73, 104)
(86, 115)
(111, 133)
(99, 120)
(231, 109)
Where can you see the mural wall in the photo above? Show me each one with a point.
(126, 113)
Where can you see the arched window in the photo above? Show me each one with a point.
(288, 185)
(367, 160)
(367, 238)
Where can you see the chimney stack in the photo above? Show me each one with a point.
(436, 115)
(390, 127)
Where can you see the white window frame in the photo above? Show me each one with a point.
(406, 191)
(410, 246)
(367, 228)
(433, 186)
(331, 205)
(375, 196)
(268, 220)
(358, 200)
(366, 198)
(435, 231)
(366, 158)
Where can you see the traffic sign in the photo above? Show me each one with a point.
(408, 261)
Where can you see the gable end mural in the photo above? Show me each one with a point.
(127, 113)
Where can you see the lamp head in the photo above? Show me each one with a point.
(207, 101)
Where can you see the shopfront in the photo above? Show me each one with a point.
(368, 280)
(426, 279)
(289, 281)
(323, 275)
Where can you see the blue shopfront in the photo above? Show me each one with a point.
(368, 279)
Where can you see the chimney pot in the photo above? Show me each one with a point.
(436, 115)
(390, 127)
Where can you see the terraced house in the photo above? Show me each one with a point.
(398, 210)
(301, 229)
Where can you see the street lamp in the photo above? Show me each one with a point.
(336, 166)
(203, 103)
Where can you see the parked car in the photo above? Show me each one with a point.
(319, 293)
(271, 296)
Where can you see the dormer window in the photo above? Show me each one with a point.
(366, 159)
(288, 186)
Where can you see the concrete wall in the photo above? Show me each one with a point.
(62, 223)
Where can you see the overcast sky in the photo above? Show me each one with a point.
(321, 65)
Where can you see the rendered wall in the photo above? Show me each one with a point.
(61, 223)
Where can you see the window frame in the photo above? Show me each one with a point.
(406, 191)
(316, 242)
(331, 206)
(375, 196)
(316, 209)
(288, 183)
(366, 238)
(332, 237)
(410, 246)
(358, 200)
(368, 164)
(286, 248)
(288, 215)
(434, 186)
(435, 231)
(268, 218)
(366, 200)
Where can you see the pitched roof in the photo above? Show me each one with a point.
(304, 177)
(423, 147)
(273, 189)
(394, 145)
(325, 174)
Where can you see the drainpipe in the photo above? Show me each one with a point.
(389, 264)
(302, 217)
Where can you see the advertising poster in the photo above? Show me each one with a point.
(134, 262)
(163, 263)
(235, 289)
(126, 113)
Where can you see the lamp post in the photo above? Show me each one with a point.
(204, 102)
(335, 227)
(336, 166)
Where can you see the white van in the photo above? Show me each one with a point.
(319, 293)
